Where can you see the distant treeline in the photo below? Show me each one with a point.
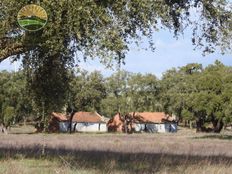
(193, 93)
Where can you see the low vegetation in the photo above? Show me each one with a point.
(183, 152)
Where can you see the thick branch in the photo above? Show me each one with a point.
(11, 50)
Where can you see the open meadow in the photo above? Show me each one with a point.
(21, 151)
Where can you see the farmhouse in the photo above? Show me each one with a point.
(142, 122)
(154, 122)
(93, 122)
(81, 122)
(88, 122)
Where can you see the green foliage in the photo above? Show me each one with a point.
(8, 115)
(102, 29)
(204, 95)
(87, 91)
(105, 28)
(14, 97)
(129, 92)
(143, 92)
(117, 89)
(48, 84)
(192, 93)
(187, 115)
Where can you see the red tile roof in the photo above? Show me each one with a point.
(59, 116)
(89, 117)
(152, 117)
(115, 124)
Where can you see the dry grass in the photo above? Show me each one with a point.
(183, 152)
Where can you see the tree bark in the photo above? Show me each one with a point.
(219, 126)
(199, 124)
(70, 121)
(191, 124)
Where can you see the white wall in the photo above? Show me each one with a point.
(90, 127)
(152, 127)
(83, 127)
(171, 127)
(139, 127)
(63, 126)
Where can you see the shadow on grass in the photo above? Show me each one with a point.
(112, 162)
(22, 133)
(220, 137)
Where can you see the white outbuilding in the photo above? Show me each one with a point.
(154, 122)
(88, 122)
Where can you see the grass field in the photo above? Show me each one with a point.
(183, 152)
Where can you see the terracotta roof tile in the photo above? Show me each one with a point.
(90, 117)
(153, 117)
(59, 116)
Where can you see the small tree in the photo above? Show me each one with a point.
(8, 116)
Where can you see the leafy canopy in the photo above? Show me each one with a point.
(102, 29)
(105, 28)
(201, 94)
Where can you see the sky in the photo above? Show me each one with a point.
(169, 53)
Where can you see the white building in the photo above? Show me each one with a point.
(88, 122)
(154, 122)
(156, 127)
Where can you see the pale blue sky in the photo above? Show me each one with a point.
(169, 53)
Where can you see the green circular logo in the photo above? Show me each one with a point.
(32, 17)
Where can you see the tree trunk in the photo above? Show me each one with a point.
(3, 129)
(70, 121)
(191, 124)
(218, 127)
(199, 124)
(185, 123)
